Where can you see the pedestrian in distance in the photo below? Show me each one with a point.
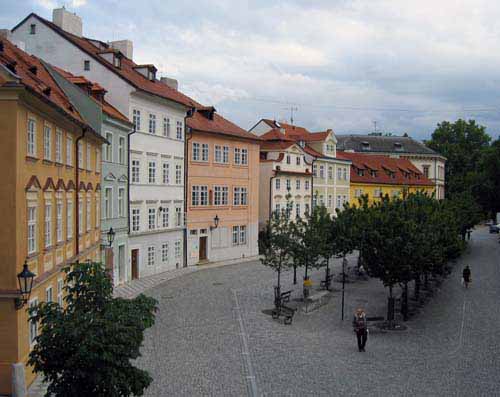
(466, 276)
(360, 328)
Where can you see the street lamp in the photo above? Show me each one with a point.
(216, 223)
(25, 280)
(111, 236)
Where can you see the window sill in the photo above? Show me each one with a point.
(68, 167)
(58, 164)
(240, 165)
(47, 162)
(33, 255)
(31, 159)
(200, 161)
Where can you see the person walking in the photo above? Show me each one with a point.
(466, 276)
(360, 328)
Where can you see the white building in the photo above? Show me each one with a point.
(158, 110)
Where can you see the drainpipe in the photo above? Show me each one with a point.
(77, 203)
(187, 138)
(128, 179)
(312, 184)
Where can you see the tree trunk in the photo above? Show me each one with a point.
(390, 308)
(294, 274)
(404, 303)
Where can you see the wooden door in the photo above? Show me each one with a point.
(203, 248)
(135, 264)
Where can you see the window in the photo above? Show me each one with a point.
(58, 146)
(221, 195)
(48, 225)
(97, 211)
(244, 156)
(136, 119)
(33, 28)
(239, 235)
(164, 252)
(121, 150)
(164, 217)
(344, 173)
(47, 152)
(339, 201)
(60, 289)
(33, 325)
(297, 184)
(315, 170)
(108, 147)
(339, 173)
(178, 174)
(32, 229)
(297, 210)
(135, 171)
(151, 256)
(48, 294)
(306, 184)
(121, 202)
(69, 151)
(236, 234)
(306, 208)
(225, 154)
(69, 219)
(97, 160)
(321, 200)
(196, 151)
(151, 218)
(135, 219)
(59, 215)
(166, 173)
(80, 216)
(204, 152)
(243, 235)
(178, 216)
(80, 154)
(288, 184)
(166, 126)
(88, 208)
(31, 137)
(358, 192)
(152, 123)
(426, 170)
(288, 159)
(330, 172)
(86, 65)
(177, 248)
(221, 154)
(152, 172)
(199, 195)
(240, 196)
(297, 160)
(377, 193)
(89, 163)
(321, 171)
(277, 208)
(278, 184)
(108, 203)
(237, 155)
(179, 130)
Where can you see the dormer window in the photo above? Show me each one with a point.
(148, 71)
(117, 62)
(361, 172)
(373, 173)
(302, 143)
(398, 147)
(365, 145)
(151, 75)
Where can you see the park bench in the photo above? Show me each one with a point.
(280, 298)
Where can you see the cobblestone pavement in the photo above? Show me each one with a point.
(212, 338)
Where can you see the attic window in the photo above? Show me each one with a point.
(361, 172)
(117, 62)
(373, 173)
(365, 145)
(302, 143)
(151, 75)
(33, 28)
(398, 147)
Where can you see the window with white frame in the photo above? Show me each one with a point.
(315, 170)
(377, 193)
(164, 252)
(136, 119)
(136, 168)
(204, 152)
(339, 173)
(151, 218)
(243, 235)
(344, 173)
(196, 151)
(60, 291)
(48, 224)
(121, 202)
(31, 139)
(244, 156)
(297, 184)
(278, 184)
(89, 162)
(358, 192)
(69, 150)
(177, 248)
(321, 171)
(33, 325)
(121, 150)
(151, 255)
(339, 201)
(48, 294)
(240, 196)
(179, 130)
(88, 208)
(69, 219)
(59, 221)
(47, 142)
(330, 172)
(108, 203)
(80, 154)
(225, 154)
(297, 210)
(165, 217)
(166, 173)
(152, 172)
(178, 174)
(136, 219)
(297, 160)
(32, 227)
(166, 129)
(59, 136)
(288, 184)
(306, 184)
(152, 123)
(97, 160)
(199, 195)
(108, 147)
(218, 154)
(221, 195)
(237, 155)
(288, 159)
(239, 235)
(178, 216)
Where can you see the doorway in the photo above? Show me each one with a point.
(203, 248)
(135, 264)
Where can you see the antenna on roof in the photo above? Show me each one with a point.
(292, 109)
(375, 126)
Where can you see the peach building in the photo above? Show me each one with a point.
(49, 198)
(222, 189)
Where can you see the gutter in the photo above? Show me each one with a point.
(77, 203)
(187, 138)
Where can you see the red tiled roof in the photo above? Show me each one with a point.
(309, 150)
(380, 164)
(297, 133)
(276, 145)
(276, 135)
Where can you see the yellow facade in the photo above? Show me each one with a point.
(375, 191)
(38, 200)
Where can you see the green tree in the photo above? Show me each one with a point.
(486, 185)
(86, 347)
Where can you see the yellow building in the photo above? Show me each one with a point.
(49, 199)
(377, 176)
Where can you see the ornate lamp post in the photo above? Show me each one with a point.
(111, 237)
(216, 223)
(25, 280)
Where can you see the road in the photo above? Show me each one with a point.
(212, 338)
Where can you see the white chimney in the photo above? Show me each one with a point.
(172, 83)
(67, 21)
(126, 47)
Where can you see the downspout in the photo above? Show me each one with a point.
(312, 183)
(188, 137)
(77, 203)
(128, 179)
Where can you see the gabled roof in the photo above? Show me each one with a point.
(297, 133)
(381, 164)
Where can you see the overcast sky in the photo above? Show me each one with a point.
(406, 64)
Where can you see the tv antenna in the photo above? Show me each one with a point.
(292, 109)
